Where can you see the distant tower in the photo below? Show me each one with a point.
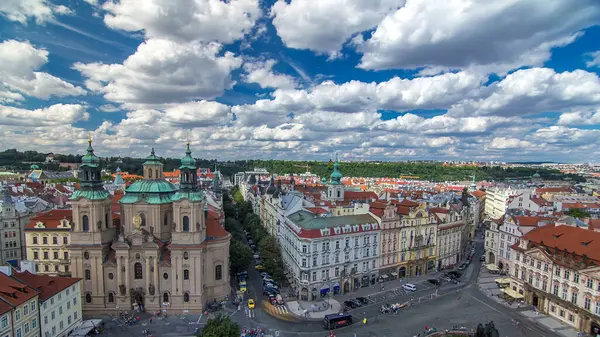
(335, 190)
(217, 184)
(473, 184)
(153, 167)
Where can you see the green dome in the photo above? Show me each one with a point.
(152, 159)
(188, 162)
(90, 159)
(151, 186)
(34, 167)
(336, 175)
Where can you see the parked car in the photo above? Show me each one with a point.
(482, 258)
(445, 278)
(271, 285)
(268, 279)
(350, 304)
(250, 241)
(455, 274)
(434, 281)
(462, 267)
(362, 300)
(269, 292)
(409, 287)
(357, 302)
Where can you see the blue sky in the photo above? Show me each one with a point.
(243, 79)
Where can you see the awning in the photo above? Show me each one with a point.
(492, 266)
(505, 280)
(512, 293)
(337, 285)
(384, 276)
(394, 273)
(324, 289)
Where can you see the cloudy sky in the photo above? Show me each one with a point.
(303, 79)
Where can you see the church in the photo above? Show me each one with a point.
(168, 250)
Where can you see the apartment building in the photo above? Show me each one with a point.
(21, 315)
(492, 240)
(327, 254)
(47, 236)
(512, 228)
(12, 223)
(59, 302)
(556, 270)
(497, 200)
(450, 230)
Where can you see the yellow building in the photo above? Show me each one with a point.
(47, 238)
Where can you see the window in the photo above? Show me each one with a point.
(25, 310)
(53, 315)
(137, 271)
(111, 298)
(35, 241)
(66, 256)
(45, 255)
(45, 319)
(166, 276)
(45, 240)
(186, 297)
(597, 309)
(555, 290)
(65, 240)
(186, 224)
(576, 278)
(75, 315)
(590, 283)
(4, 321)
(17, 315)
(564, 293)
(567, 274)
(26, 328)
(218, 272)
(166, 219)
(34, 323)
(574, 298)
(587, 303)
(54, 240)
(55, 255)
(88, 298)
(557, 272)
(166, 297)
(19, 333)
(143, 217)
(85, 223)
(88, 274)
(36, 256)
(186, 274)
(61, 325)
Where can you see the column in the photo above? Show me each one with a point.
(99, 275)
(180, 273)
(175, 280)
(127, 272)
(156, 287)
(119, 272)
(147, 274)
(94, 272)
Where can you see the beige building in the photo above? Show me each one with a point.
(47, 239)
(556, 269)
(492, 240)
(450, 231)
(18, 308)
(171, 252)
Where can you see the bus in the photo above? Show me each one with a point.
(336, 321)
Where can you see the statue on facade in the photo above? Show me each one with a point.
(123, 289)
(151, 289)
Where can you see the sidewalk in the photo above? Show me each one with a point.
(486, 283)
(304, 309)
(380, 288)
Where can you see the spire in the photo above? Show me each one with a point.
(336, 175)
(188, 162)
(152, 159)
(90, 159)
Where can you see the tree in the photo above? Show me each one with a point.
(490, 330)
(577, 213)
(240, 256)
(480, 332)
(221, 326)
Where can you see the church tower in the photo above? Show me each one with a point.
(335, 190)
(153, 167)
(190, 231)
(92, 231)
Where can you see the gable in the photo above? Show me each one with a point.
(538, 254)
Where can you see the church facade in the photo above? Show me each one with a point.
(169, 252)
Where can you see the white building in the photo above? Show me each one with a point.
(59, 302)
(492, 238)
(450, 229)
(512, 228)
(19, 304)
(500, 199)
(329, 254)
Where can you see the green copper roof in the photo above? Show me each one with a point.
(152, 159)
(151, 186)
(90, 195)
(336, 175)
(154, 199)
(189, 195)
(90, 159)
(188, 162)
(308, 220)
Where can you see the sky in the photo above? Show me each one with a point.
(467, 80)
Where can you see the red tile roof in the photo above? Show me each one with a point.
(573, 239)
(478, 194)
(439, 210)
(554, 190)
(404, 210)
(47, 286)
(5, 307)
(540, 201)
(317, 210)
(353, 195)
(529, 220)
(51, 219)
(409, 203)
(213, 226)
(15, 292)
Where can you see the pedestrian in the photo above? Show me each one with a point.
(150, 320)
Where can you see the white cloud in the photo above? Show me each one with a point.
(457, 34)
(532, 91)
(163, 72)
(40, 10)
(568, 138)
(594, 59)
(18, 64)
(109, 108)
(261, 73)
(503, 143)
(184, 20)
(580, 118)
(198, 114)
(324, 25)
(57, 114)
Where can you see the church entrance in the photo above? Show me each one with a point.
(137, 300)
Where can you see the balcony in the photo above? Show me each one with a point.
(304, 282)
(64, 261)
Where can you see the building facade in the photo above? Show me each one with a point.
(492, 240)
(556, 269)
(12, 223)
(449, 238)
(330, 254)
(47, 236)
(171, 252)
(497, 200)
(23, 301)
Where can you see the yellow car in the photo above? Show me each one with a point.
(259, 267)
(250, 304)
(243, 289)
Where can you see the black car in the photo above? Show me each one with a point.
(350, 304)
(270, 292)
(362, 300)
(434, 281)
(455, 274)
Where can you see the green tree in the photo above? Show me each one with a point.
(221, 326)
(240, 256)
(480, 332)
(577, 213)
(490, 330)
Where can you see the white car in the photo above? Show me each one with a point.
(409, 287)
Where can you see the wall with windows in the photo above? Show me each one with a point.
(61, 313)
(48, 249)
(6, 324)
(25, 318)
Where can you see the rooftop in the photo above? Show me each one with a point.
(576, 240)
(15, 292)
(51, 219)
(308, 220)
(47, 286)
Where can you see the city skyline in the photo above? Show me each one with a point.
(247, 79)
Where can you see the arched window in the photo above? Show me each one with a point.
(85, 221)
(137, 271)
(143, 217)
(166, 219)
(186, 297)
(186, 274)
(88, 274)
(150, 173)
(111, 298)
(166, 297)
(339, 194)
(106, 220)
(157, 175)
(186, 224)
(218, 272)
(88, 298)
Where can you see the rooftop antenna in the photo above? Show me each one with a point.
(187, 137)
(89, 136)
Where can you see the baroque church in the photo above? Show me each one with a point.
(167, 251)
